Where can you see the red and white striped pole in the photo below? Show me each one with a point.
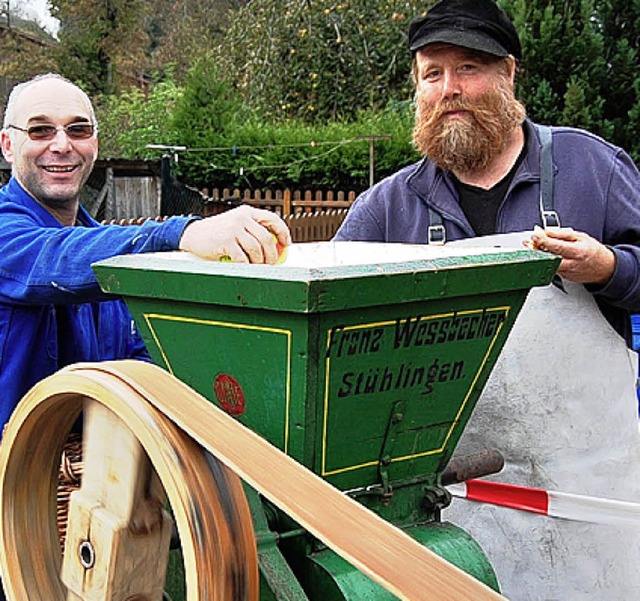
(551, 503)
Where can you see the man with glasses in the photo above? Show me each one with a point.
(52, 311)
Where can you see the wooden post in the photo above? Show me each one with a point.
(372, 141)
(286, 204)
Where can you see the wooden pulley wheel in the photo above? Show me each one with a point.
(137, 464)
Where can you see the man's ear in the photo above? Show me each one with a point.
(7, 146)
(512, 69)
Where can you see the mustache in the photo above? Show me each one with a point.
(433, 114)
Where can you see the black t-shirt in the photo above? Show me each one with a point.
(481, 206)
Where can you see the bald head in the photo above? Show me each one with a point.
(47, 85)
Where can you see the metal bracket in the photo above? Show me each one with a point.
(436, 234)
(550, 219)
(395, 418)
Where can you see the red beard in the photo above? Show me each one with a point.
(470, 143)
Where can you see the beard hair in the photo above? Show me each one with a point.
(469, 144)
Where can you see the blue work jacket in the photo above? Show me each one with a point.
(596, 190)
(52, 310)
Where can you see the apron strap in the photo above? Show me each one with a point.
(436, 233)
(549, 216)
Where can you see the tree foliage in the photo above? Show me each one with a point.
(183, 31)
(103, 43)
(262, 79)
(297, 154)
(109, 46)
(25, 46)
(319, 60)
(581, 64)
(22, 59)
(208, 115)
(221, 143)
(132, 120)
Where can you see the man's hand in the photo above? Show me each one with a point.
(244, 235)
(584, 259)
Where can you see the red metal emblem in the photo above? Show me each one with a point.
(229, 394)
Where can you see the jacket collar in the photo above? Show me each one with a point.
(13, 192)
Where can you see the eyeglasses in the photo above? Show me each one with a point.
(75, 131)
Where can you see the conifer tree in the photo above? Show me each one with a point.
(580, 65)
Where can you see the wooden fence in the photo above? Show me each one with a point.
(315, 227)
(311, 217)
(283, 202)
(305, 227)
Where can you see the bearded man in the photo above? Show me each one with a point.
(481, 172)
(561, 401)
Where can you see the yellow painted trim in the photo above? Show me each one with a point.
(240, 326)
(454, 423)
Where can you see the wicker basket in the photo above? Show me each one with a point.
(69, 479)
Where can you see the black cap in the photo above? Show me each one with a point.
(475, 24)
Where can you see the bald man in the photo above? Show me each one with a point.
(52, 310)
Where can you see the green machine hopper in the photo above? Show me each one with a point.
(362, 361)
